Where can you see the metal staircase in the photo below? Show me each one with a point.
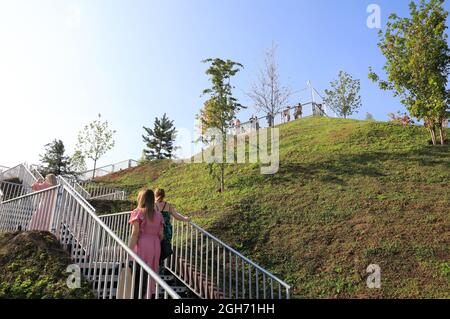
(202, 266)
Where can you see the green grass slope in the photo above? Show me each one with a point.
(348, 194)
(33, 266)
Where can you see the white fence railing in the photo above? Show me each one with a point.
(208, 266)
(100, 253)
(21, 172)
(284, 116)
(11, 190)
(108, 169)
(97, 191)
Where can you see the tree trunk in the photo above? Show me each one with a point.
(433, 135)
(93, 172)
(222, 178)
(442, 135)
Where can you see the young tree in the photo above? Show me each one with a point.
(160, 139)
(78, 163)
(54, 161)
(267, 93)
(344, 96)
(220, 109)
(418, 63)
(369, 117)
(95, 140)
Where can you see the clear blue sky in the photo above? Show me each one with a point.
(62, 62)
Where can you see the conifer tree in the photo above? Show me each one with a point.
(54, 161)
(159, 140)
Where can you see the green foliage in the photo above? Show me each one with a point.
(78, 162)
(54, 161)
(220, 109)
(160, 139)
(95, 140)
(344, 96)
(418, 62)
(369, 117)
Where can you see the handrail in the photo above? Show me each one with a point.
(119, 223)
(239, 254)
(28, 195)
(78, 195)
(134, 256)
(112, 168)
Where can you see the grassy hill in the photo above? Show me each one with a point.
(348, 194)
(33, 266)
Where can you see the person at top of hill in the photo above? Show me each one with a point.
(168, 211)
(146, 235)
(287, 115)
(298, 111)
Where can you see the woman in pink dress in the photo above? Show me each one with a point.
(41, 217)
(146, 235)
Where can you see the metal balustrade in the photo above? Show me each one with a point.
(17, 213)
(103, 192)
(108, 169)
(11, 190)
(208, 266)
(100, 253)
(21, 172)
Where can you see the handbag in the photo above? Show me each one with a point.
(166, 250)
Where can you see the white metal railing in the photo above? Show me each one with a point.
(21, 172)
(90, 190)
(284, 116)
(10, 190)
(208, 266)
(108, 169)
(97, 191)
(34, 169)
(100, 253)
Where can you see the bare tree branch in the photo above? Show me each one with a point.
(267, 93)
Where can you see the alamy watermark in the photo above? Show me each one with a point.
(74, 279)
(262, 146)
(374, 278)
(374, 18)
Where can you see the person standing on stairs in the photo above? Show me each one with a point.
(146, 235)
(168, 211)
(41, 217)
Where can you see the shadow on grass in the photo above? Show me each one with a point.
(337, 169)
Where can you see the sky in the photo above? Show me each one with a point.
(63, 62)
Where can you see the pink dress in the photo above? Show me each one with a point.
(41, 217)
(148, 246)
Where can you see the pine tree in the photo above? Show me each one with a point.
(159, 140)
(54, 161)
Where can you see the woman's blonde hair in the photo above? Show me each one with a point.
(160, 194)
(51, 178)
(146, 202)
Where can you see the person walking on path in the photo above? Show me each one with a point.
(168, 211)
(146, 235)
(41, 217)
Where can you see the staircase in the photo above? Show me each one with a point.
(202, 266)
